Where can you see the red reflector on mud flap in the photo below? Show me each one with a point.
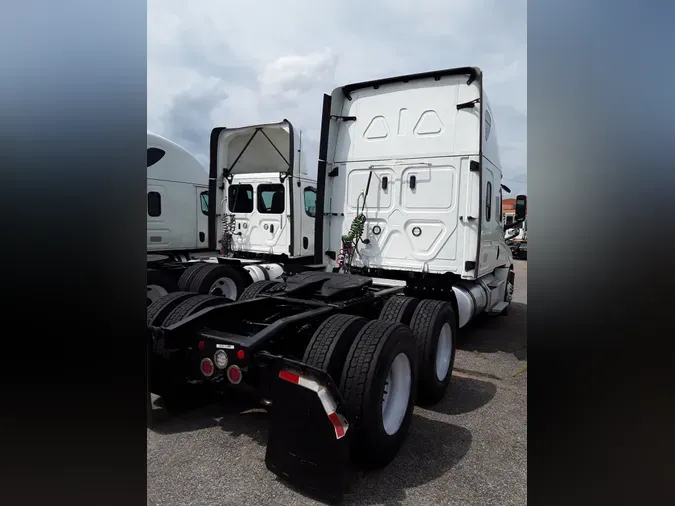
(329, 405)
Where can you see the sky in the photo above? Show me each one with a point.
(236, 62)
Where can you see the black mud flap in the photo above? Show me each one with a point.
(308, 446)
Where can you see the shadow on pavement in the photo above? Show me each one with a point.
(464, 395)
(235, 412)
(431, 449)
(491, 334)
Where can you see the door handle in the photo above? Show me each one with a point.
(271, 229)
(413, 182)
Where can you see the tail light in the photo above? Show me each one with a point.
(207, 367)
(234, 374)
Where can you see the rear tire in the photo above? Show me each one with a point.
(167, 373)
(221, 280)
(379, 403)
(255, 289)
(330, 344)
(191, 306)
(159, 284)
(188, 274)
(434, 325)
(158, 310)
(399, 309)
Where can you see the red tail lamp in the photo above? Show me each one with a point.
(241, 355)
(207, 367)
(201, 345)
(234, 374)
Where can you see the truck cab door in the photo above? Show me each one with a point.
(271, 226)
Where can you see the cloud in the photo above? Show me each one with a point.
(236, 62)
(185, 118)
(289, 77)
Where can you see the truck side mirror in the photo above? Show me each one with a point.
(521, 207)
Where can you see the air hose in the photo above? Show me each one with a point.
(351, 239)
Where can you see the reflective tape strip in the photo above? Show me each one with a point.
(287, 376)
(339, 422)
(328, 404)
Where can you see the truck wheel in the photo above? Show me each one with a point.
(378, 386)
(191, 306)
(328, 348)
(167, 374)
(399, 309)
(188, 274)
(159, 309)
(159, 284)
(255, 289)
(434, 325)
(224, 280)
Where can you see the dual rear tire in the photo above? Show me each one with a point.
(374, 364)
(215, 279)
(434, 325)
(382, 367)
(167, 373)
(205, 279)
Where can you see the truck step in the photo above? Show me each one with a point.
(388, 282)
(496, 283)
(499, 307)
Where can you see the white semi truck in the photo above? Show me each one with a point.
(257, 228)
(409, 247)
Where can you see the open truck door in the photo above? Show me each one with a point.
(250, 171)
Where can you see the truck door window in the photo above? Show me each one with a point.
(310, 201)
(488, 201)
(204, 200)
(154, 204)
(271, 199)
(240, 198)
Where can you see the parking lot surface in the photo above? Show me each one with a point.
(470, 449)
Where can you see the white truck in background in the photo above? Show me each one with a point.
(515, 232)
(221, 249)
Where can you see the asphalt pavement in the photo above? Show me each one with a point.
(470, 449)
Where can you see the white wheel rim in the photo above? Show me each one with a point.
(443, 352)
(225, 287)
(396, 394)
(155, 292)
